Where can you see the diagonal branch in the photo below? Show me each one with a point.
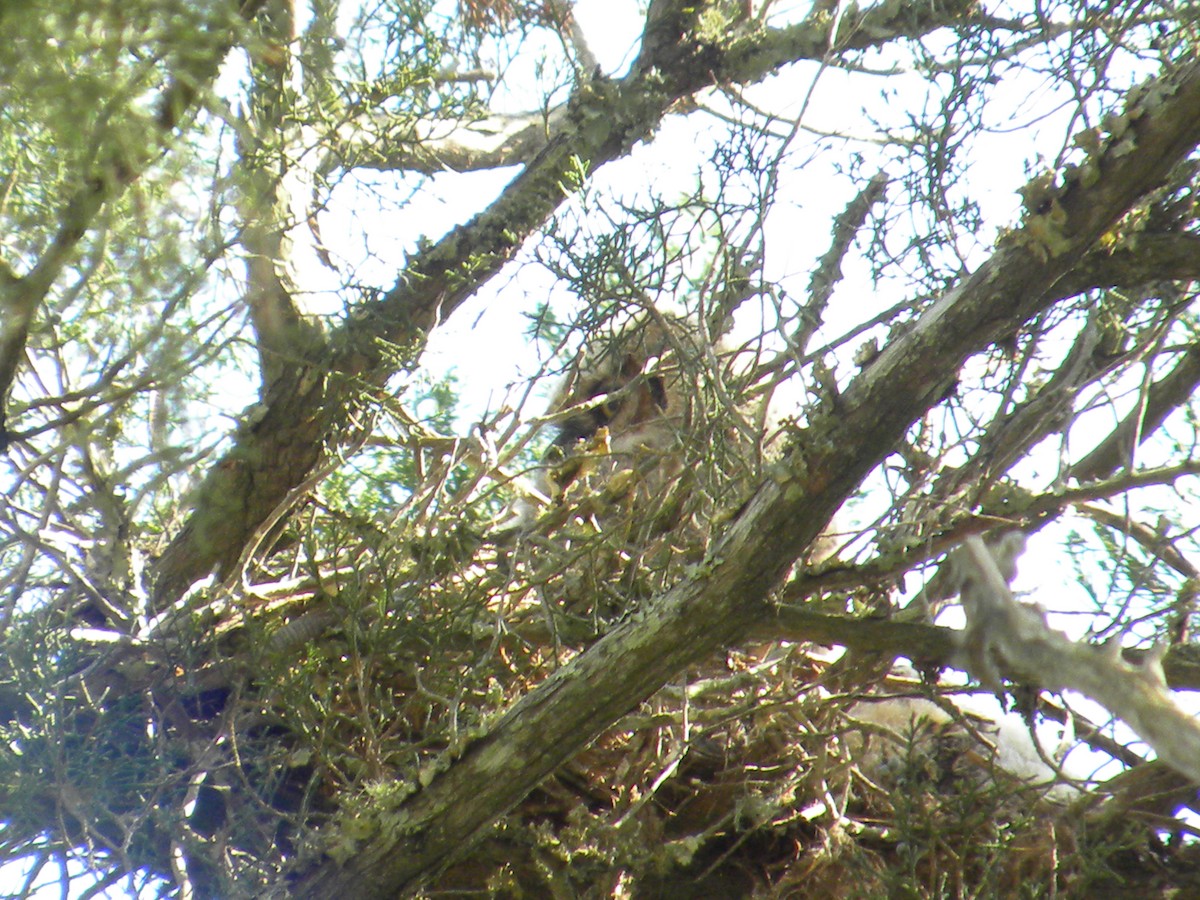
(1000, 629)
(413, 837)
(1163, 397)
(604, 119)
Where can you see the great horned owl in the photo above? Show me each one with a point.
(622, 404)
(625, 493)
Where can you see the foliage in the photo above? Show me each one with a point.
(308, 588)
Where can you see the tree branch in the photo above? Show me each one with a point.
(929, 644)
(1164, 396)
(489, 143)
(1000, 630)
(604, 119)
(415, 836)
(118, 168)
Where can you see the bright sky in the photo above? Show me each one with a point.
(1027, 128)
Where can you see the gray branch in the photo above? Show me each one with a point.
(421, 829)
(1001, 629)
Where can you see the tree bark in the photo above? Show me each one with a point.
(419, 835)
(276, 452)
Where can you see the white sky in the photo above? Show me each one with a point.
(1027, 127)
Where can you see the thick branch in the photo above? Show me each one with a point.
(999, 629)
(272, 169)
(603, 121)
(416, 837)
(1164, 396)
(935, 645)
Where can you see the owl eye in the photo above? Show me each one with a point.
(658, 392)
